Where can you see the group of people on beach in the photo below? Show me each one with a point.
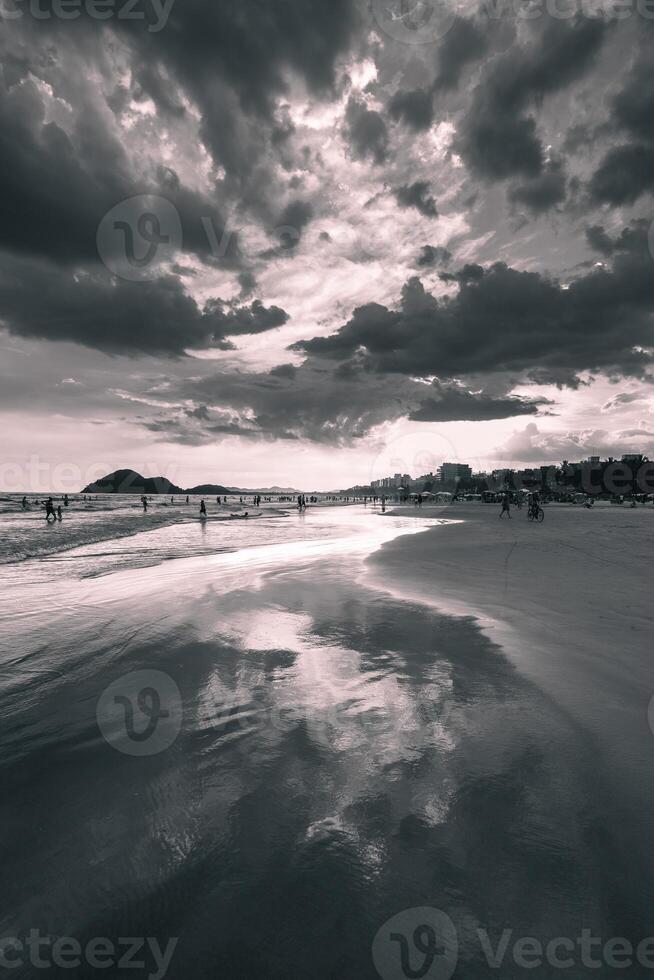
(533, 504)
(50, 511)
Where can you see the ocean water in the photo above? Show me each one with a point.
(25, 534)
(263, 757)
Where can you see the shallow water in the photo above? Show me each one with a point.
(112, 518)
(331, 756)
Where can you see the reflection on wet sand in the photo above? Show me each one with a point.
(344, 755)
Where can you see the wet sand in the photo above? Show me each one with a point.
(350, 745)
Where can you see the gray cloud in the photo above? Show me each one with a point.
(452, 403)
(38, 299)
(418, 196)
(506, 320)
(543, 192)
(365, 132)
(465, 43)
(414, 108)
(497, 139)
(434, 255)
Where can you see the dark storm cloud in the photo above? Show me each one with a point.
(248, 283)
(414, 108)
(470, 272)
(38, 299)
(230, 61)
(321, 404)
(498, 140)
(418, 196)
(365, 132)
(633, 238)
(312, 402)
(465, 43)
(433, 255)
(510, 321)
(451, 403)
(599, 241)
(626, 172)
(57, 185)
(541, 193)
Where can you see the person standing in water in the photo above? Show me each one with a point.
(144, 501)
(24, 503)
(65, 500)
(49, 510)
(203, 509)
(59, 517)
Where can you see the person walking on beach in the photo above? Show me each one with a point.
(49, 510)
(506, 508)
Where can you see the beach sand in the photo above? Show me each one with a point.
(369, 723)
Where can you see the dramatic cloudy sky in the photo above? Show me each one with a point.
(365, 236)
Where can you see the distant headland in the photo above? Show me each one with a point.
(129, 481)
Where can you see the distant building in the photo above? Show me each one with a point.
(454, 472)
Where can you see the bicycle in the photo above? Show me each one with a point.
(536, 513)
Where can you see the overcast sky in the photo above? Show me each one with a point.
(312, 243)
